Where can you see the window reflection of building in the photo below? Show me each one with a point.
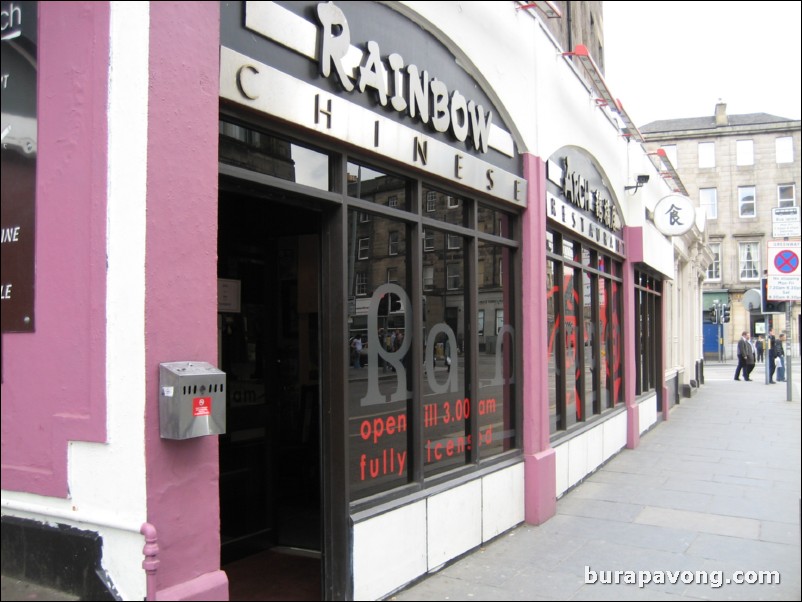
(584, 341)
(381, 253)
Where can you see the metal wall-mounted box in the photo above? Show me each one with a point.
(192, 400)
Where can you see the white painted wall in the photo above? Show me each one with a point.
(107, 480)
(538, 91)
(394, 548)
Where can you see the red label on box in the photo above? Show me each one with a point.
(202, 406)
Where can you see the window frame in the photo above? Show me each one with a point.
(744, 247)
(706, 155)
(744, 153)
(715, 265)
(783, 203)
(714, 204)
(363, 253)
(784, 149)
(743, 202)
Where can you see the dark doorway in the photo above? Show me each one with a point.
(268, 327)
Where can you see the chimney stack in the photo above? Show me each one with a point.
(721, 114)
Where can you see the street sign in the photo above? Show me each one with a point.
(785, 222)
(784, 270)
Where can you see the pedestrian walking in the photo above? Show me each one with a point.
(779, 358)
(745, 356)
(771, 342)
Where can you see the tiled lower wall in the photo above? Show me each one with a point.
(396, 547)
(582, 454)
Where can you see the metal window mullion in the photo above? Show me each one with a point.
(415, 258)
(471, 346)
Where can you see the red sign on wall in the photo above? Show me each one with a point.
(202, 406)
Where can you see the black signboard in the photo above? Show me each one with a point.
(18, 22)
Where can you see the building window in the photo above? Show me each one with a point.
(454, 241)
(364, 248)
(499, 320)
(428, 240)
(714, 269)
(361, 284)
(392, 275)
(671, 154)
(744, 152)
(453, 281)
(786, 195)
(480, 323)
(364, 218)
(749, 260)
(707, 154)
(431, 201)
(392, 247)
(453, 202)
(784, 148)
(747, 206)
(584, 342)
(392, 200)
(428, 277)
(708, 200)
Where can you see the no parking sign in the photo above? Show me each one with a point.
(784, 270)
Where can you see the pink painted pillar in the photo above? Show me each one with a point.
(633, 237)
(181, 286)
(540, 472)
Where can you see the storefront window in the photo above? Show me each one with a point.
(493, 221)
(584, 346)
(589, 336)
(444, 207)
(604, 344)
(573, 396)
(617, 344)
(371, 184)
(379, 394)
(446, 407)
(553, 321)
(648, 339)
(410, 420)
(494, 406)
(264, 153)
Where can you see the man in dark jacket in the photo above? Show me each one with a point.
(779, 354)
(770, 344)
(746, 356)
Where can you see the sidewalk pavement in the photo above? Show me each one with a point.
(715, 490)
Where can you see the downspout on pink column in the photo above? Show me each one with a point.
(540, 473)
(633, 238)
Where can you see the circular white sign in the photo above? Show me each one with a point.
(674, 215)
